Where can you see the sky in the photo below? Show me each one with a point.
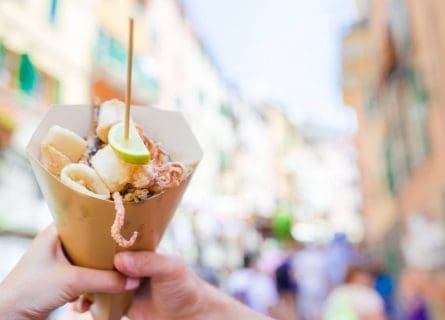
(282, 51)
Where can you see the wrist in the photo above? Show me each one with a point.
(216, 305)
(9, 302)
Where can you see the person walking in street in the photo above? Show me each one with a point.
(356, 299)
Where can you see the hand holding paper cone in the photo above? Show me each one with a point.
(44, 265)
(84, 222)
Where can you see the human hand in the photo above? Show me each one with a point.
(173, 291)
(44, 280)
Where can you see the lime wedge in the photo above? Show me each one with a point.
(131, 150)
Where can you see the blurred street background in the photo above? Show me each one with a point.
(321, 122)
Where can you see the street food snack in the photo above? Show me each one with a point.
(146, 193)
(108, 166)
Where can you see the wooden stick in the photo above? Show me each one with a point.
(129, 69)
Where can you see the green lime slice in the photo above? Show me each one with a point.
(131, 150)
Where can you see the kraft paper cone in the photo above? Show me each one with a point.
(84, 222)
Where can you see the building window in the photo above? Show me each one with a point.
(389, 168)
(2, 55)
(223, 161)
(53, 8)
(416, 119)
(178, 104)
(201, 97)
(109, 50)
(371, 102)
(406, 110)
(28, 75)
(417, 87)
(20, 76)
(224, 110)
(111, 56)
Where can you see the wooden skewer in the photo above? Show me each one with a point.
(129, 69)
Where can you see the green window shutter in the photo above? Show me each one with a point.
(53, 8)
(417, 87)
(56, 91)
(390, 175)
(201, 97)
(28, 75)
(2, 54)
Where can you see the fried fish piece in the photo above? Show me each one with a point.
(110, 113)
(66, 142)
(52, 159)
(113, 171)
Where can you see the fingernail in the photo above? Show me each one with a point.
(132, 283)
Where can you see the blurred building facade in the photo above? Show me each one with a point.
(257, 163)
(44, 60)
(391, 67)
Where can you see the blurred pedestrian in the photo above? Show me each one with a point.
(286, 308)
(339, 254)
(311, 265)
(437, 306)
(384, 284)
(356, 299)
(252, 287)
(412, 300)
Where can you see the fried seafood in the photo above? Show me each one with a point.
(97, 167)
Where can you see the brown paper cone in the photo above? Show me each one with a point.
(84, 222)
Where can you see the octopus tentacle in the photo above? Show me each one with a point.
(119, 220)
(168, 176)
(157, 153)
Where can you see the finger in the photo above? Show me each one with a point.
(51, 238)
(60, 254)
(46, 241)
(49, 233)
(148, 264)
(84, 280)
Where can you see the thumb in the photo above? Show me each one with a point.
(84, 280)
(149, 264)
